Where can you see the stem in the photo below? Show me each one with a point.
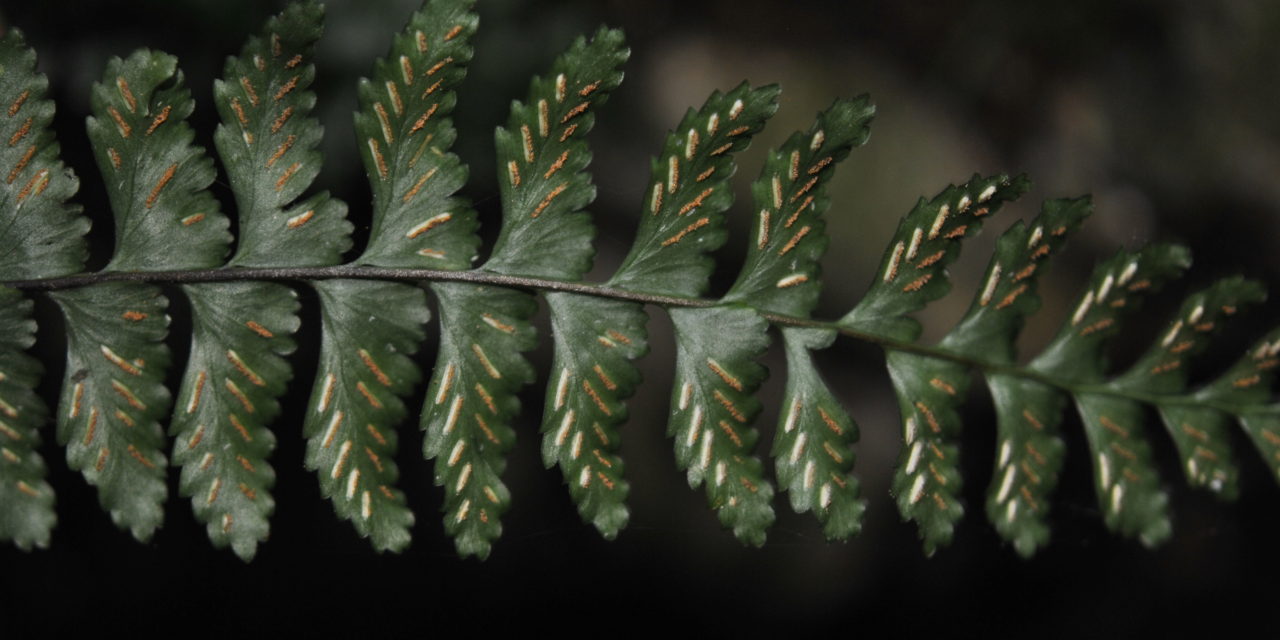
(482, 277)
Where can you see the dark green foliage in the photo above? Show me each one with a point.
(405, 133)
(235, 372)
(26, 500)
(596, 342)
(373, 311)
(45, 232)
(683, 214)
(267, 142)
(813, 446)
(712, 408)
(913, 270)
(156, 178)
(931, 391)
(781, 271)
(471, 402)
(543, 155)
(43, 237)
(370, 330)
(113, 397)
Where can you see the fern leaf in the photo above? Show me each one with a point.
(1162, 369)
(912, 272)
(683, 216)
(1008, 294)
(930, 391)
(364, 371)
(405, 134)
(267, 141)
(596, 342)
(704, 405)
(372, 312)
(156, 179)
(26, 500)
(988, 332)
(713, 405)
(683, 221)
(1029, 412)
(1125, 480)
(781, 274)
(114, 393)
(1030, 452)
(235, 373)
(44, 233)
(1077, 352)
(113, 396)
(1199, 432)
(471, 402)
(44, 236)
(1240, 392)
(1128, 483)
(926, 481)
(542, 154)
(1029, 457)
(416, 222)
(813, 448)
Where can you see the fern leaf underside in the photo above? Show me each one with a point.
(114, 399)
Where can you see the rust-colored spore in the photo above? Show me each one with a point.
(164, 180)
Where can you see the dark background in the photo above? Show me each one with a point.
(1167, 112)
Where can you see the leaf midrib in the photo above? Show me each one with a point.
(478, 276)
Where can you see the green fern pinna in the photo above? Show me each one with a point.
(123, 429)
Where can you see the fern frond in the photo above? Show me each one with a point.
(370, 330)
(913, 269)
(1113, 425)
(373, 311)
(595, 341)
(713, 405)
(929, 391)
(543, 155)
(592, 373)
(1198, 432)
(1027, 414)
(781, 273)
(812, 449)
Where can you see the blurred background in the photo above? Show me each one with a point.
(1167, 112)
